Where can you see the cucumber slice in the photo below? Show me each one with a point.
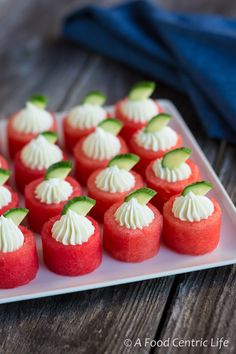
(59, 170)
(157, 122)
(124, 161)
(198, 188)
(51, 137)
(39, 101)
(143, 195)
(175, 158)
(16, 214)
(95, 97)
(4, 176)
(81, 205)
(111, 125)
(141, 90)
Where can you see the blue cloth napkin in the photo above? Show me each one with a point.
(193, 53)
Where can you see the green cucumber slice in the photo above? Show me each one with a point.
(16, 215)
(59, 170)
(111, 125)
(141, 90)
(95, 97)
(80, 205)
(4, 176)
(157, 122)
(124, 161)
(175, 158)
(51, 137)
(198, 188)
(39, 101)
(143, 195)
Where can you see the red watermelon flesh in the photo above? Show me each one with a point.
(68, 259)
(194, 238)
(73, 135)
(24, 175)
(19, 267)
(40, 213)
(130, 127)
(14, 203)
(165, 190)
(146, 156)
(3, 163)
(130, 245)
(85, 165)
(17, 140)
(104, 200)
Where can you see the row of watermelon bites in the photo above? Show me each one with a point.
(114, 158)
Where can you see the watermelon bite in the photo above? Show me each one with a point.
(40, 213)
(85, 166)
(165, 190)
(194, 238)
(71, 260)
(19, 267)
(130, 127)
(104, 200)
(147, 156)
(129, 245)
(17, 140)
(24, 174)
(72, 135)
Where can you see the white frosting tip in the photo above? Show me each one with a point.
(11, 237)
(134, 215)
(72, 229)
(192, 207)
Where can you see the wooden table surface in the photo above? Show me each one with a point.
(191, 306)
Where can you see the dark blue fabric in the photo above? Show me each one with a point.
(193, 53)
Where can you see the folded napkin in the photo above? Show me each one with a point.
(192, 53)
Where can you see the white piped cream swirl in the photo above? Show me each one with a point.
(54, 190)
(192, 207)
(101, 145)
(163, 139)
(11, 237)
(134, 215)
(39, 154)
(171, 174)
(32, 119)
(86, 116)
(5, 196)
(114, 180)
(139, 111)
(72, 229)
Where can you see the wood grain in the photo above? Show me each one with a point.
(91, 321)
(227, 172)
(202, 307)
(198, 304)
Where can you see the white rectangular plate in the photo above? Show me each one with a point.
(113, 272)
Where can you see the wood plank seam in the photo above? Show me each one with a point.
(71, 87)
(178, 280)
